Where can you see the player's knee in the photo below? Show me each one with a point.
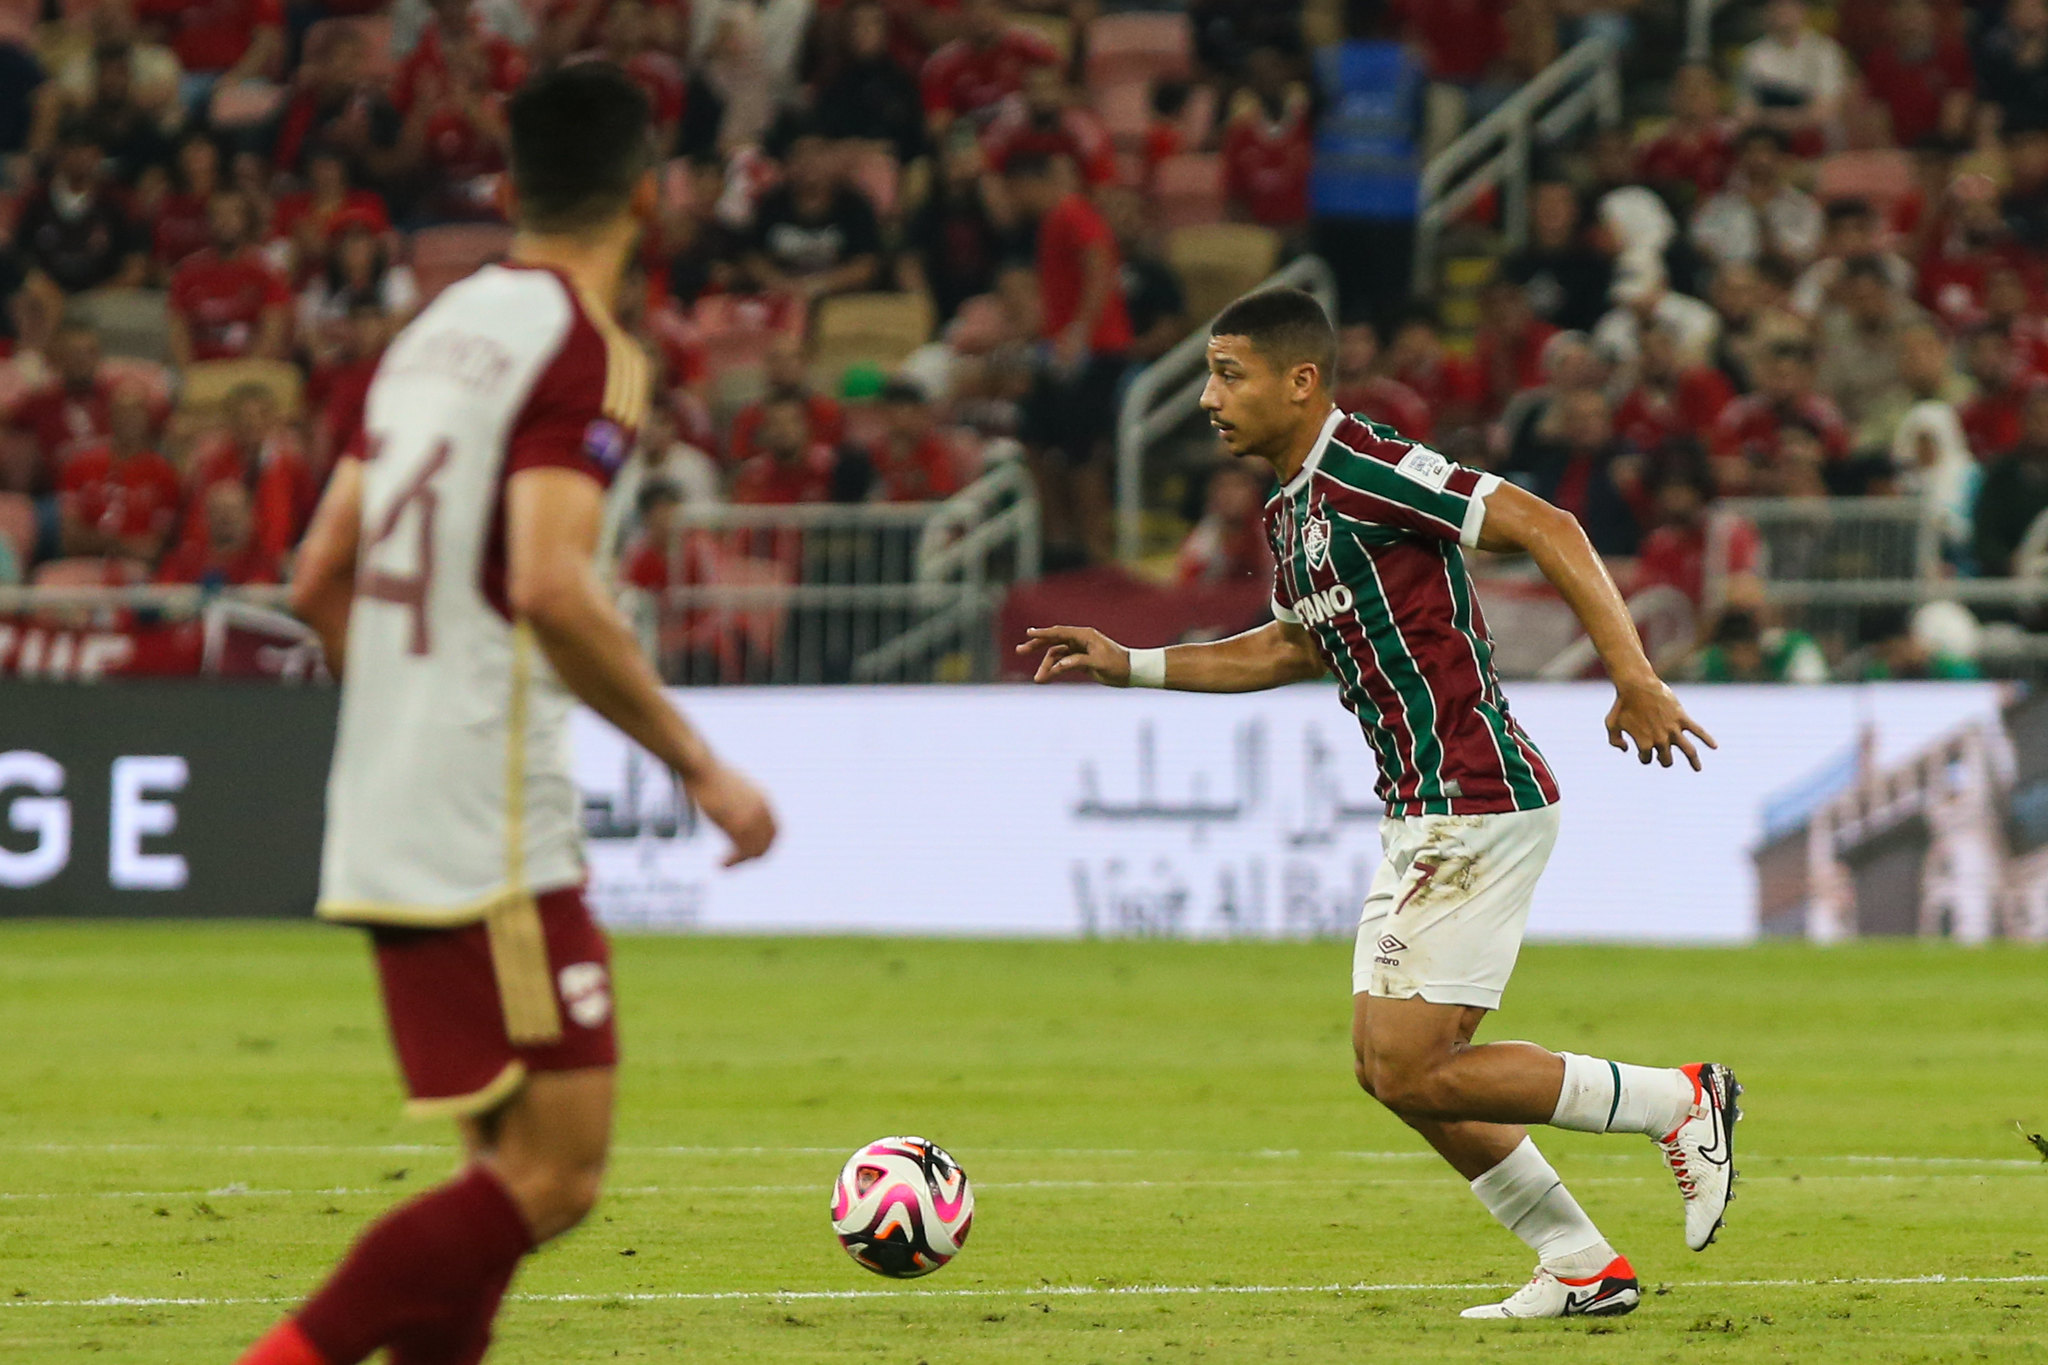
(1362, 1068)
(554, 1196)
(1408, 1087)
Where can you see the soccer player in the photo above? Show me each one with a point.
(1368, 533)
(456, 559)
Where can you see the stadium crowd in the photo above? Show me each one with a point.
(1815, 270)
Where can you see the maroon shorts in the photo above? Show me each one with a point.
(447, 1018)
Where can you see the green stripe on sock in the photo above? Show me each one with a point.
(1615, 1107)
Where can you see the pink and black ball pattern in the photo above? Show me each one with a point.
(902, 1207)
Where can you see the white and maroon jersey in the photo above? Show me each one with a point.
(1366, 544)
(451, 790)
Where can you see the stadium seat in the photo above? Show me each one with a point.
(1125, 109)
(1188, 189)
(1883, 177)
(18, 525)
(1139, 47)
(1219, 261)
(207, 383)
(443, 255)
(244, 104)
(879, 329)
(156, 381)
(130, 322)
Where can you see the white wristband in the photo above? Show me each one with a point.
(1148, 668)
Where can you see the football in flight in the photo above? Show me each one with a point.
(902, 1207)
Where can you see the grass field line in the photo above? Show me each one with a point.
(1039, 1292)
(238, 1190)
(447, 1149)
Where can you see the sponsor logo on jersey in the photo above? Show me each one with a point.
(1315, 540)
(605, 444)
(1425, 467)
(1322, 605)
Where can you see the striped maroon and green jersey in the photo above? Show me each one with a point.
(1366, 546)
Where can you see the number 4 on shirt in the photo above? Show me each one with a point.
(409, 590)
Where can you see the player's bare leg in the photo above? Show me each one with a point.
(1578, 1271)
(426, 1280)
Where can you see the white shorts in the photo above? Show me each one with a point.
(1445, 914)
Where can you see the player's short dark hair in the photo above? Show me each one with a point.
(579, 145)
(1286, 326)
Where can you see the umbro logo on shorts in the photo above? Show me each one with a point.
(586, 992)
(1389, 944)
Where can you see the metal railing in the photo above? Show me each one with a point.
(843, 592)
(1164, 394)
(1583, 84)
(1665, 619)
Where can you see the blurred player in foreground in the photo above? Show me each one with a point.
(455, 557)
(1370, 585)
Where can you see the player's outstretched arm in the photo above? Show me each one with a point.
(1274, 655)
(1645, 710)
(324, 575)
(552, 522)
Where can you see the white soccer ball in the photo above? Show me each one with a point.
(902, 1207)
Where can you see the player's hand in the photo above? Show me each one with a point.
(1077, 649)
(1649, 714)
(736, 806)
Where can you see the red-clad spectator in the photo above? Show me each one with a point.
(340, 381)
(1449, 384)
(458, 134)
(1086, 325)
(1746, 435)
(790, 467)
(970, 75)
(1228, 545)
(226, 302)
(824, 419)
(120, 498)
(69, 413)
(338, 105)
(657, 558)
(1967, 243)
(910, 460)
(1165, 134)
(228, 554)
(1508, 349)
(1267, 145)
(1671, 400)
(1043, 119)
(455, 28)
(628, 46)
(1690, 159)
(2013, 308)
(230, 40)
(1462, 40)
(1360, 389)
(1674, 553)
(1923, 76)
(260, 452)
(1992, 417)
(181, 221)
(307, 220)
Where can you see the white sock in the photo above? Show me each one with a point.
(1600, 1096)
(1524, 1193)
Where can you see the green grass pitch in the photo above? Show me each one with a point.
(1171, 1161)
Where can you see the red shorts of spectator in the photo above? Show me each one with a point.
(445, 1004)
